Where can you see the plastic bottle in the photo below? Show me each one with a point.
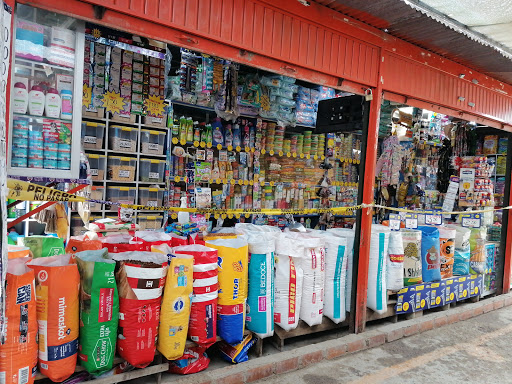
(215, 170)
(66, 110)
(183, 128)
(20, 98)
(237, 142)
(252, 135)
(229, 135)
(218, 137)
(197, 131)
(52, 107)
(190, 130)
(183, 217)
(209, 134)
(247, 136)
(175, 127)
(36, 101)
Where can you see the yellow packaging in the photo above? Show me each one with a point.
(175, 311)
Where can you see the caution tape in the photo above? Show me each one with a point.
(25, 191)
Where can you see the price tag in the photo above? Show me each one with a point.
(89, 139)
(94, 172)
(411, 220)
(433, 218)
(394, 222)
(471, 220)
(154, 175)
(152, 203)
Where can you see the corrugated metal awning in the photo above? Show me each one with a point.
(475, 33)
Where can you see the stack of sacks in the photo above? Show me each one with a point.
(103, 227)
(288, 281)
(377, 288)
(281, 92)
(349, 235)
(232, 266)
(81, 243)
(175, 312)
(15, 251)
(462, 252)
(140, 280)
(411, 239)
(203, 312)
(57, 287)
(99, 310)
(260, 298)
(306, 106)
(18, 352)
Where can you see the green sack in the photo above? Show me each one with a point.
(43, 246)
(99, 309)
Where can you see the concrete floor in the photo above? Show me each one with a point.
(478, 350)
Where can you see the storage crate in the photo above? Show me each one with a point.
(151, 197)
(152, 142)
(96, 194)
(151, 170)
(97, 164)
(122, 138)
(149, 222)
(121, 168)
(117, 194)
(92, 135)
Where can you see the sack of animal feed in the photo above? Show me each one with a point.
(202, 326)
(175, 312)
(288, 282)
(411, 239)
(42, 246)
(478, 259)
(462, 252)
(335, 274)
(99, 310)
(57, 289)
(232, 267)
(377, 287)
(237, 353)
(430, 254)
(140, 280)
(76, 245)
(447, 248)
(349, 234)
(395, 262)
(313, 267)
(18, 352)
(193, 360)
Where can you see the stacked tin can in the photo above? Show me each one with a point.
(35, 147)
(19, 143)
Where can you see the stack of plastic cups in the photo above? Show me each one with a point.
(279, 139)
(269, 197)
(271, 132)
(307, 143)
(19, 143)
(300, 143)
(293, 143)
(321, 145)
(287, 145)
(35, 147)
(314, 144)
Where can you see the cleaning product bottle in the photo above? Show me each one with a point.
(183, 217)
(237, 142)
(20, 98)
(175, 127)
(197, 131)
(53, 102)
(209, 134)
(229, 135)
(36, 101)
(190, 130)
(215, 170)
(218, 137)
(247, 138)
(183, 128)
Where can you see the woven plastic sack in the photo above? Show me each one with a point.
(335, 274)
(76, 245)
(203, 312)
(140, 280)
(14, 252)
(18, 352)
(395, 262)
(99, 310)
(349, 234)
(288, 282)
(478, 258)
(194, 360)
(57, 289)
(43, 246)
(430, 254)
(175, 313)
(232, 265)
(411, 240)
(237, 353)
(462, 252)
(447, 250)
(377, 288)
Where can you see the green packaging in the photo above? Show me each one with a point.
(43, 246)
(99, 310)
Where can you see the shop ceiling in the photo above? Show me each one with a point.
(474, 33)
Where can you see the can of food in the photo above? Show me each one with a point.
(50, 164)
(35, 163)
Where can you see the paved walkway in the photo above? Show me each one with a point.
(478, 350)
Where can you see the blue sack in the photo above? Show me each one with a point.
(430, 254)
(461, 262)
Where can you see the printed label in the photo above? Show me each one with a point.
(106, 301)
(90, 139)
(124, 174)
(293, 293)
(154, 175)
(153, 203)
(262, 304)
(153, 147)
(23, 294)
(123, 143)
(94, 172)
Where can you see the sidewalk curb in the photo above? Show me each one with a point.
(301, 357)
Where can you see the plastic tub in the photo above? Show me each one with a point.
(151, 170)
(121, 168)
(97, 164)
(149, 222)
(120, 194)
(96, 194)
(92, 135)
(122, 138)
(152, 142)
(150, 197)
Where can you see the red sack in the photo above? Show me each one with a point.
(75, 245)
(196, 238)
(140, 282)
(203, 312)
(18, 355)
(194, 360)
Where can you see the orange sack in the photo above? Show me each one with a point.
(57, 287)
(76, 245)
(18, 355)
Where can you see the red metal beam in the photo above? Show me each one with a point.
(507, 265)
(41, 207)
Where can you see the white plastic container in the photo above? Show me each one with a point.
(20, 98)
(36, 101)
(53, 102)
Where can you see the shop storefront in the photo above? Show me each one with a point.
(136, 115)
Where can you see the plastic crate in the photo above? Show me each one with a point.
(151, 170)
(121, 168)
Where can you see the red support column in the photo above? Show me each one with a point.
(367, 213)
(507, 264)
